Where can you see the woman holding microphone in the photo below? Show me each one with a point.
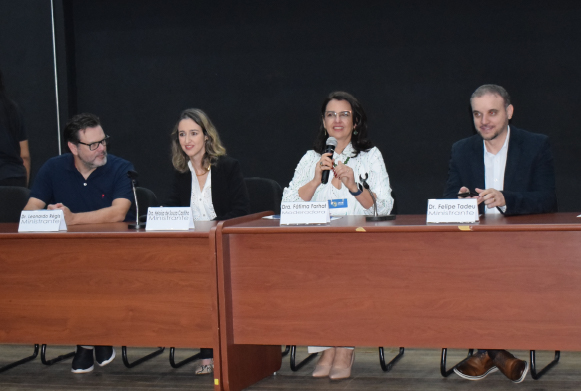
(344, 119)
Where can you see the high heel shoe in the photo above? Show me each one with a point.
(342, 373)
(322, 370)
(205, 369)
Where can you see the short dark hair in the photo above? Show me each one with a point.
(80, 122)
(359, 141)
(492, 89)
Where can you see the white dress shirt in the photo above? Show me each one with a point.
(201, 201)
(370, 162)
(494, 166)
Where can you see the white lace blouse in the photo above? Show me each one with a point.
(370, 162)
(201, 201)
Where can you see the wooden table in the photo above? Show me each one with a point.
(103, 284)
(506, 283)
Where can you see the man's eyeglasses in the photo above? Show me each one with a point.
(334, 114)
(94, 146)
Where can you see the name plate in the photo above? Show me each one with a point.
(42, 221)
(169, 219)
(304, 213)
(452, 211)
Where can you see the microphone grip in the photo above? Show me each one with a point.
(325, 178)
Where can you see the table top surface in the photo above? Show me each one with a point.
(202, 230)
(416, 223)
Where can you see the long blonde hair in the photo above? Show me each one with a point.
(213, 146)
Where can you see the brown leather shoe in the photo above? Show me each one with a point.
(476, 367)
(513, 368)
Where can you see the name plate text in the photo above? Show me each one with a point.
(304, 213)
(169, 219)
(452, 211)
(42, 221)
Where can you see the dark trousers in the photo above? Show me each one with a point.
(20, 182)
(206, 353)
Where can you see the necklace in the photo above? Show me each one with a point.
(208, 170)
(345, 162)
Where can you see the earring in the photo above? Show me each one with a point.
(355, 132)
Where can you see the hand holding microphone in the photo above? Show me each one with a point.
(330, 148)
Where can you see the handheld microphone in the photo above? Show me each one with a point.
(331, 144)
(133, 176)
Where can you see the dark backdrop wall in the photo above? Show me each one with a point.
(260, 69)
(26, 60)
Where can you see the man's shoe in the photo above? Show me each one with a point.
(104, 355)
(83, 361)
(476, 367)
(513, 368)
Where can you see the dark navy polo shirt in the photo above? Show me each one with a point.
(58, 180)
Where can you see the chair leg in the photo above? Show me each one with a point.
(537, 375)
(448, 372)
(295, 367)
(19, 362)
(387, 367)
(181, 363)
(54, 360)
(286, 350)
(141, 360)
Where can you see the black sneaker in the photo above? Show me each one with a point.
(83, 361)
(104, 355)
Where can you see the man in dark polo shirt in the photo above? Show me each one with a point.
(89, 186)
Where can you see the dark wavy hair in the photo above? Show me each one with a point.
(359, 141)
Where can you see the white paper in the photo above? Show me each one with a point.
(452, 211)
(42, 221)
(304, 213)
(169, 219)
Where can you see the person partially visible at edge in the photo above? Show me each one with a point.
(343, 118)
(14, 152)
(512, 172)
(207, 180)
(89, 186)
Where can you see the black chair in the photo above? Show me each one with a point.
(13, 199)
(265, 194)
(145, 199)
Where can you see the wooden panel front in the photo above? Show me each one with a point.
(509, 290)
(135, 290)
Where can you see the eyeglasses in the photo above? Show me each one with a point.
(94, 146)
(334, 114)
